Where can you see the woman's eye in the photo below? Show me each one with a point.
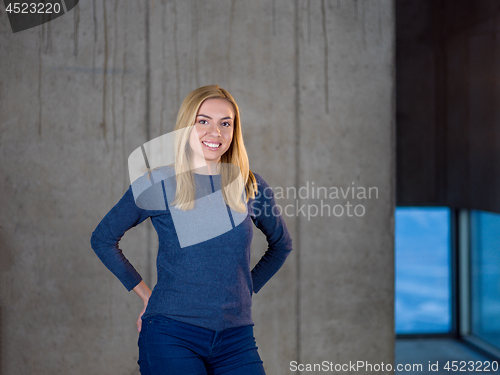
(203, 122)
(226, 124)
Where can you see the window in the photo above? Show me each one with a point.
(423, 270)
(485, 276)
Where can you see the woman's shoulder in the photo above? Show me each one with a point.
(163, 172)
(260, 180)
(264, 190)
(148, 190)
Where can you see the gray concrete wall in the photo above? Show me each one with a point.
(315, 85)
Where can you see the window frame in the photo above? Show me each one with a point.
(464, 274)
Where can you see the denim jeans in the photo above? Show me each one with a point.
(167, 346)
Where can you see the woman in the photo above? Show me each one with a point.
(198, 319)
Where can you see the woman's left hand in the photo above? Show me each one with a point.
(139, 321)
(144, 292)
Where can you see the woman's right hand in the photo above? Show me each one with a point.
(144, 292)
(139, 321)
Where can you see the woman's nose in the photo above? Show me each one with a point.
(214, 129)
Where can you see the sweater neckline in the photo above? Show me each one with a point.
(201, 174)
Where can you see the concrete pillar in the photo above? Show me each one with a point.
(314, 81)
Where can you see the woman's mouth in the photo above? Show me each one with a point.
(211, 145)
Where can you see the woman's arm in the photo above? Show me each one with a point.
(267, 218)
(105, 238)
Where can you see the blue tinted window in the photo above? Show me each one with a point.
(485, 276)
(423, 280)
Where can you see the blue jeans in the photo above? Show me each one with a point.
(167, 346)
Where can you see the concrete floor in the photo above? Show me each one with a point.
(440, 351)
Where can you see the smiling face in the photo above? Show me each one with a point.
(213, 131)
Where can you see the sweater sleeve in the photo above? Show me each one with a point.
(105, 238)
(268, 219)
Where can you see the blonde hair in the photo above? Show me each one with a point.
(236, 156)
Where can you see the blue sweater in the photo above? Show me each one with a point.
(207, 283)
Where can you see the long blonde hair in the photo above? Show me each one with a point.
(235, 156)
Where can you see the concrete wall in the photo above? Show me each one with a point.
(315, 85)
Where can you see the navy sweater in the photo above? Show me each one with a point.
(207, 283)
